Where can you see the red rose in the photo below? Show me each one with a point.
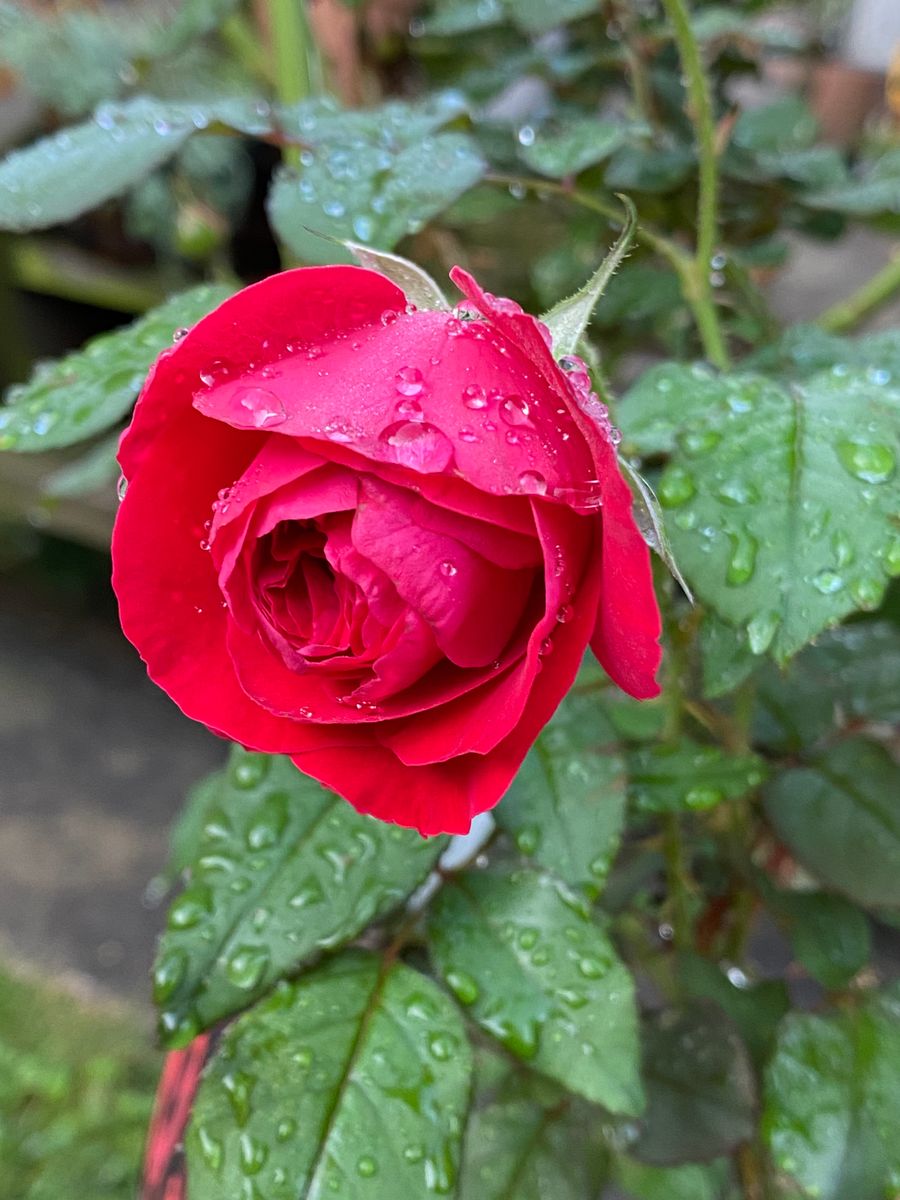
(378, 539)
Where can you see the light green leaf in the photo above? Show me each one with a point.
(528, 1140)
(540, 976)
(84, 393)
(572, 145)
(568, 320)
(282, 869)
(839, 816)
(364, 189)
(62, 176)
(686, 776)
(352, 1082)
(804, 350)
(849, 675)
(832, 1103)
(701, 1088)
(874, 191)
(417, 285)
(783, 499)
(566, 806)
(784, 124)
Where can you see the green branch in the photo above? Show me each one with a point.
(701, 297)
(290, 50)
(874, 292)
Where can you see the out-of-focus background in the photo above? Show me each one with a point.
(95, 761)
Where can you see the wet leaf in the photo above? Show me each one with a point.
(84, 393)
(566, 806)
(571, 145)
(690, 1182)
(353, 1081)
(755, 1008)
(701, 1089)
(94, 471)
(528, 1139)
(541, 977)
(839, 816)
(781, 501)
(282, 869)
(832, 1103)
(725, 656)
(687, 776)
(830, 936)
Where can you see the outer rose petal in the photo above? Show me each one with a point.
(308, 305)
(626, 637)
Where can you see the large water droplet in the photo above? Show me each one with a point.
(418, 445)
(742, 563)
(250, 770)
(867, 592)
(264, 407)
(211, 1149)
(409, 382)
(761, 631)
(515, 410)
(533, 483)
(253, 1154)
(828, 582)
(367, 1166)
(239, 1087)
(872, 462)
(190, 908)
(246, 966)
(168, 974)
(676, 487)
(474, 396)
(464, 987)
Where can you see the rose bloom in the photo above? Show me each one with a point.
(378, 540)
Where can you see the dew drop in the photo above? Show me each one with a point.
(389, 317)
(761, 631)
(418, 445)
(533, 483)
(264, 407)
(253, 1154)
(410, 409)
(121, 488)
(867, 593)
(250, 770)
(239, 1087)
(468, 434)
(464, 987)
(408, 381)
(742, 563)
(211, 1149)
(474, 396)
(872, 462)
(696, 443)
(367, 1167)
(515, 410)
(442, 1046)
(168, 975)
(246, 966)
(676, 487)
(448, 569)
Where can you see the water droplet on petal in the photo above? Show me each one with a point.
(449, 569)
(514, 410)
(389, 317)
(474, 396)
(418, 445)
(408, 381)
(264, 407)
(121, 488)
(533, 483)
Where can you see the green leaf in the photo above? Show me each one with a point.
(690, 1182)
(62, 176)
(84, 393)
(649, 520)
(830, 936)
(526, 1139)
(725, 656)
(283, 869)
(755, 1008)
(416, 284)
(639, 168)
(687, 776)
(94, 471)
(192, 19)
(370, 177)
(874, 191)
(839, 816)
(449, 17)
(850, 675)
(537, 16)
(804, 350)
(832, 1103)
(701, 1089)
(353, 1081)
(572, 144)
(784, 124)
(566, 806)
(783, 499)
(540, 976)
(568, 320)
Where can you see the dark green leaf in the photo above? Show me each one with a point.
(72, 171)
(687, 776)
(566, 806)
(84, 393)
(787, 557)
(849, 675)
(839, 816)
(526, 1139)
(353, 1081)
(640, 168)
(755, 1008)
(539, 975)
(690, 1182)
(725, 656)
(701, 1090)
(832, 1103)
(830, 936)
(571, 145)
(283, 869)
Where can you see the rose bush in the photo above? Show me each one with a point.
(378, 539)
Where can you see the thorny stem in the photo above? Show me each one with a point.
(874, 292)
(701, 297)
